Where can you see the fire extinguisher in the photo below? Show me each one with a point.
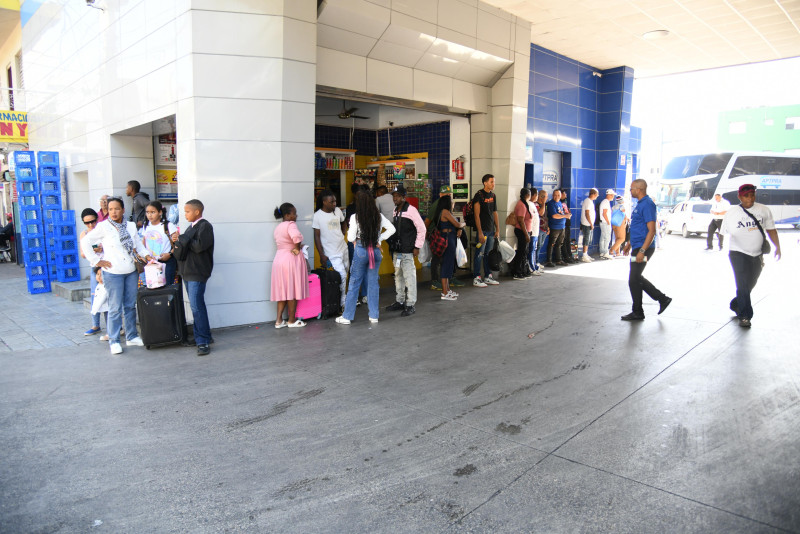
(458, 167)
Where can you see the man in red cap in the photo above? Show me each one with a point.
(748, 225)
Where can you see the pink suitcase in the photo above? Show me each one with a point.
(311, 307)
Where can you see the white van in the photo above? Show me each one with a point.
(690, 217)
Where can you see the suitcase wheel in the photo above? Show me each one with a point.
(319, 316)
(147, 347)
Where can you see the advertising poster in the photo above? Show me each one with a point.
(166, 149)
(13, 126)
(167, 184)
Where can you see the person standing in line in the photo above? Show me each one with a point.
(157, 238)
(140, 201)
(566, 244)
(557, 221)
(748, 225)
(367, 228)
(90, 219)
(408, 238)
(349, 211)
(587, 223)
(194, 250)
(451, 230)
(102, 215)
(606, 225)
(719, 207)
(619, 224)
(533, 246)
(120, 246)
(522, 231)
(384, 202)
(544, 229)
(641, 248)
(436, 261)
(488, 227)
(289, 280)
(328, 225)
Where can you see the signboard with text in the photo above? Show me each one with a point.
(13, 126)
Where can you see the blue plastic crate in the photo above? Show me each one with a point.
(51, 214)
(52, 256)
(32, 228)
(52, 272)
(64, 230)
(67, 244)
(31, 243)
(28, 200)
(30, 214)
(50, 187)
(65, 217)
(38, 285)
(25, 174)
(37, 257)
(67, 259)
(37, 270)
(51, 199)
(49, 229)
(25, 188)
(68, 274)
(50, 243)
(47, 158)
(24, 157)
(49, 174)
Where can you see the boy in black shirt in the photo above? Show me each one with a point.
(488, 226)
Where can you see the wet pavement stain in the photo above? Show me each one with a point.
(508, 429)
(465, 471)
(278, 409)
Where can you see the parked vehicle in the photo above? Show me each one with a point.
(690, 217)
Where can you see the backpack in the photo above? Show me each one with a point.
(468, 212)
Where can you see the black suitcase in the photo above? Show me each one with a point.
(329, 281)
(161, 317)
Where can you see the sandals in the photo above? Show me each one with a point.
(297, 324)
(282, 324)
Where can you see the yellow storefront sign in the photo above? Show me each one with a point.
(13, 126)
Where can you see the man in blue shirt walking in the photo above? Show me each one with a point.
(642, 243)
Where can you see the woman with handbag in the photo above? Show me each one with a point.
(156, 234)
(450, 229)
(523, 224)
(122, 250)
(367, 229)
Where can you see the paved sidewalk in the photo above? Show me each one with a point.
(451, 420)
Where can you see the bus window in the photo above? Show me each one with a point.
(745, 165)
(714, 164)
(785, 166)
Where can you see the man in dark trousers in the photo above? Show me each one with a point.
(140, 202)
(194, 251)
(643, 245)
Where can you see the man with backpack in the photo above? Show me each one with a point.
(408, 238)
(484, 207)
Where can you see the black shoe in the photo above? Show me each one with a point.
(709, 248)
(633, 317)
(744, 322)
(561, 263)
(395, 307)
(410, 310)
(549, 264)
(203, 350)
(663, 304)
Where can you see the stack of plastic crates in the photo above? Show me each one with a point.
(50, 199)
(66, 249)
(31, 222)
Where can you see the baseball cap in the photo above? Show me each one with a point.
(445, 190)
(746, 188)
(400, 190)
(610, 192)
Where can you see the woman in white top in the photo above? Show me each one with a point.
(120, 242)
(367, 229)
(156, 234)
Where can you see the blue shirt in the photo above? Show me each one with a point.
(554, 208)
(644, 212)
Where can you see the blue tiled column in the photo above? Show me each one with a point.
(613, 127)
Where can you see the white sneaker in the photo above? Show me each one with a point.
(373, 320)
(116, 348)
(477, 282)
(363, 300)
(540, 269)
(452, 293)
(135, 342)
(491, 281)
(448, 296)
(537, 273)
(342, 320)
(586, 259)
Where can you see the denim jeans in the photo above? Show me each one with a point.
(533, 252)
(359, 271)
(482, 257)
(638, 283)
(541, 245)
(405, 278)
(363, 289)
(121, 299)
(746, 270)
(197, 302)
(605, 237)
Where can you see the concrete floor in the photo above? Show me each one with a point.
(452, 420)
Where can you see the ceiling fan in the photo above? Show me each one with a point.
(346, 113)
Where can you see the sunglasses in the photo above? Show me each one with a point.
(87, 223)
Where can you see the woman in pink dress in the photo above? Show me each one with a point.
(289, 269)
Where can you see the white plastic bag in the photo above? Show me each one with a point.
(506, 251)
(154, 275)
(461, 254)
(100, 302)
(424, 255)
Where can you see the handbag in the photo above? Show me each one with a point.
(511, 220)
(765, 246)
(495, 258)
(438, 242)
(461, 254)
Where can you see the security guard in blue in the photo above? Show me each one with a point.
(641, 248)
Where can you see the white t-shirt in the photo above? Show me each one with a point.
(330, 231)
(722, 205)
(156, 240)
(534, 218)
(744, 234)
(588, 204)
(604, 205)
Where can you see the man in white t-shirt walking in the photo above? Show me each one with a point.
(719, 207)
(328, 225)
(587, 223)
(604, 214)
(747, 237)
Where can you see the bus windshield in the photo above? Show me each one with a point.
(672, 193)
(688, 166)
